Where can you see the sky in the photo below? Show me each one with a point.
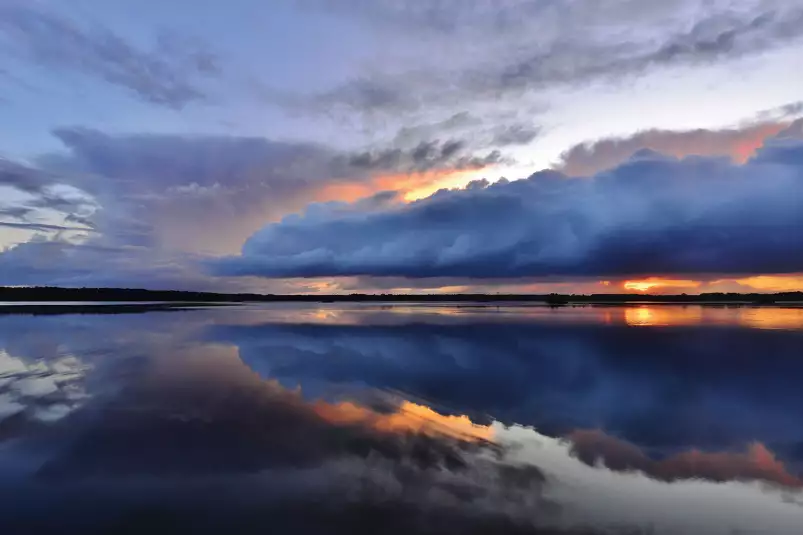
(339, 146)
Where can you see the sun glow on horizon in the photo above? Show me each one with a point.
(653, 283)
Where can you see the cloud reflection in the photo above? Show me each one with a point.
(404, 421)
(757, 463)
(43, 391)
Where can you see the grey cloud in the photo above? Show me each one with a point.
(152, 202)
(170, 74)
(719, 36)
(45, 196)
(195, 192)
(443, 16)
(42, 227)
(91, 264)
(425, 156)
(367, 94)
(456, 122)
(79, 220)
(466, 132)
(651, 215)
(23, 178)
(536, 45)
(515, 135)
(15, 212)
(795, 108)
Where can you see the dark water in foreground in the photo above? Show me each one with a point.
(403, 419)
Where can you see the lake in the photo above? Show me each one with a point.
(427, 418)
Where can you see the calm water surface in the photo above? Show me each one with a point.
(403, 419)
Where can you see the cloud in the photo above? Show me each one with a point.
(23, 178)
(653, 215)
(738, 143)
(426, 156)
(40, 202)
(161, 379)
(154, 202)
(169, 74)
(191, 193)
(42, 390)
(15, 212)
(42, 226)
(209, 193)
(520, 134)
(530, 46)
(758, 463)
(258, 449)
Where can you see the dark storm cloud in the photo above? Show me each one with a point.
(169, 74)
(652, 215)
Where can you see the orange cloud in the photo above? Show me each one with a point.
(773, 283)
(413, 186)
(757, 283)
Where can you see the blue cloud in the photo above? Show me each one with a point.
(651, 215)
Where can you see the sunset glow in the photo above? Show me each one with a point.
(647, 285)
(773, 283)
(745, 149)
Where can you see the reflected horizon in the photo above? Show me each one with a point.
(513, 417)
(635, 314)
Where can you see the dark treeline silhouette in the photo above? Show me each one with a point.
(44, 293)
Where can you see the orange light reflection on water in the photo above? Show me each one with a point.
(752, 317)
(410, 417)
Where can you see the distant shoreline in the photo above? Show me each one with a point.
(123, 297)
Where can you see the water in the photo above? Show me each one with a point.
(403, 419)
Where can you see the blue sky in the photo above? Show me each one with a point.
(184, 145)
